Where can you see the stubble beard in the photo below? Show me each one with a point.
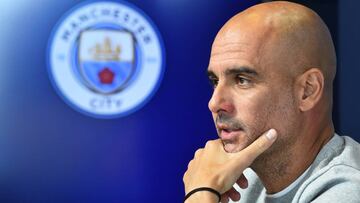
(275, 161)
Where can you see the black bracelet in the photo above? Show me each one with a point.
(203, 189)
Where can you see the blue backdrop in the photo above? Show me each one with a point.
(51, 153)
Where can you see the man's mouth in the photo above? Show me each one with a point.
(228, 134)
(230, 138)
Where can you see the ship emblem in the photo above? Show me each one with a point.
(106, 59)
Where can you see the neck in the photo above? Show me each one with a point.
(279, 168)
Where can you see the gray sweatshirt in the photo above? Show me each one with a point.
(334, 176)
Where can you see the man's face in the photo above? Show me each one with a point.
(250, 94)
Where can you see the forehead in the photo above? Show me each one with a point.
(233, 52)
(244, 44)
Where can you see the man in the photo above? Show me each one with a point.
(272, 67)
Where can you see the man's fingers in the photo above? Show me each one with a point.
(242, 182)
(233, 194)
(249, 154)
(224, 198)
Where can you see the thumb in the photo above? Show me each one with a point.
(246, 156)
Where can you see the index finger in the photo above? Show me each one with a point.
(249, 154)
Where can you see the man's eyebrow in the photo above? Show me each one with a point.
(235, 71)
(241, 70)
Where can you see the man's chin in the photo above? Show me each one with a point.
(233, 147)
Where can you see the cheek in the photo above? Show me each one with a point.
(280, 113)
(264, 110)
(262, 117)
(286, 116)
(255, 112)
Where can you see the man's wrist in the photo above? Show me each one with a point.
(203, 196)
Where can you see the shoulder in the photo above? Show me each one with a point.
(346, 156)
(339, 183)
(340, 151)
(337, 177)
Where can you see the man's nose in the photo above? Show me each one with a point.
(221, 100)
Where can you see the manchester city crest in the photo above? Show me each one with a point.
(106, 59)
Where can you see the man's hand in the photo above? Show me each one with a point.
(213, 167)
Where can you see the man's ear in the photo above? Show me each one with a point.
(311, 89)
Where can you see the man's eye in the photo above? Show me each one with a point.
(213, 82)
(243, 81)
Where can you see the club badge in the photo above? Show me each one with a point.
(106, 59)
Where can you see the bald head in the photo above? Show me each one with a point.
(284, 35)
